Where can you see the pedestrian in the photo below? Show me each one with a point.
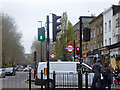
(116, 73)
(107, 74)
(97, 74)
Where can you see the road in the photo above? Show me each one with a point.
(17, 81)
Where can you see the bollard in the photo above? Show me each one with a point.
(86, 80)
(54, 80)
(29, 79)
(41, 80)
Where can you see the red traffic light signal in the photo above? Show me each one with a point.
(77, 50)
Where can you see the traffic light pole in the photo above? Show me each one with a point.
(48, 52)
(41, 51)
(80, 52)
(74, 50)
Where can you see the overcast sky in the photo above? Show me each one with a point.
(27, 13)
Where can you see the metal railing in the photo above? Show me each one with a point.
(66, 80)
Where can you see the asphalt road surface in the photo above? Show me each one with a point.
(17, 81)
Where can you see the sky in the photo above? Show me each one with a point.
(27, 13)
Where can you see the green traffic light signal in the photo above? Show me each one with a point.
(41, 34)
(41, 37)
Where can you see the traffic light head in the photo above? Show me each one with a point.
(35, 55)
(41, 34)
(55, 24)
(77, 50)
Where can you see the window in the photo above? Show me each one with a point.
(76, 36)
(86, 46)
(91, 34)
(105, 42)
(105, 27)
(109, 25)
(98, 45)
(98, 30)
(101, 44)
(109, 41)
(101, 29)
(91, 47)
(94, 33)
(83, 47)
(94, 45)
(117, 22)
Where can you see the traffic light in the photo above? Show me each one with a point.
(55, 24)
(35, 54)
(86, 34)
(77, 50)
(41, 34)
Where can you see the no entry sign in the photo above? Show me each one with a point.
(70, 48)
(52, 55)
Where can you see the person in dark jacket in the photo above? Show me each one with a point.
(107, 78)
(97, 74)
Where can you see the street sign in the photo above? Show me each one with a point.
(69, 54)
(84, 55)
(70, 48)
(52, 55)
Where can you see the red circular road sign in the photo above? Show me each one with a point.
(52, 55)
(70, 48)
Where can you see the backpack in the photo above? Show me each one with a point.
(105, 72)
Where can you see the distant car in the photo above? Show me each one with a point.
(10, 71)
(2, 73)
(20, 69)
(26, 69)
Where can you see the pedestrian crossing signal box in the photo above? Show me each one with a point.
(45, 71)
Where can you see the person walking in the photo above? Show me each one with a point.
(97, 74)
(107, 74)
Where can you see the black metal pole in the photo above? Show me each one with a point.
(42, 80)
(86, 80)
(29, 79)
(48, 52)
(41, 51)
(80, 51)
(54, 80)
(35, 57)
(34, 68)
(74, 50)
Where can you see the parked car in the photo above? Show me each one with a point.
(2, 73)
(26, 69)
(10, 71)
(62, 70)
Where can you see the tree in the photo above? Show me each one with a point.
(12, 50)
(36, 46)
(65, 37)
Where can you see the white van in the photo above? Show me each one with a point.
(69, 69)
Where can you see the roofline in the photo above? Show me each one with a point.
(105, 11)
(84, 17)
(101, 14)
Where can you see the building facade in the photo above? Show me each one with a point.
(85, 29)
(111, 35)
(96, 39)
